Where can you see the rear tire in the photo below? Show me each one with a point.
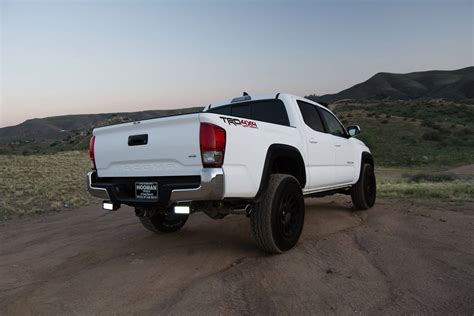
(277, 220)
(162, 222)
(364, 192)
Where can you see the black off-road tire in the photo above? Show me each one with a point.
(161, 223)
(364, 192)
(277, 220)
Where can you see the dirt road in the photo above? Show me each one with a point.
(399, 257)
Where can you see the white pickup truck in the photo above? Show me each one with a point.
(257, 156)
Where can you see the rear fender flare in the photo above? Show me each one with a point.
(277, 151)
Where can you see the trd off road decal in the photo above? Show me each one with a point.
(235, 122)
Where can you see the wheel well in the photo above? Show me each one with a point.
(289, 165)
(367, 158)
(283, 159)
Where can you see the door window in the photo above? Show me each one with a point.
(311, 116)
(333, 126)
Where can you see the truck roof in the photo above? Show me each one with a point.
(265, 96)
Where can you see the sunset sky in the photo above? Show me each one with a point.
(64, 57)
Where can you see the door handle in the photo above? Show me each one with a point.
(338, 145)
(313, 141)
(137, 140)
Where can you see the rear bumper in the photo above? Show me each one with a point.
(210, 189)
(96, 191)
(171, 189)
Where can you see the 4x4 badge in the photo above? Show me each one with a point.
(235, 122)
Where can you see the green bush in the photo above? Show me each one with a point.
(368, 139)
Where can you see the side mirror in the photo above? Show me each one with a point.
(353, 130)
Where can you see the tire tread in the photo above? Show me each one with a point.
(262, 216)
(357, 191)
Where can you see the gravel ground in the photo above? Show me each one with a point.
(399, 257)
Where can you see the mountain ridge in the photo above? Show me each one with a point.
(431, 84)
(58, 127)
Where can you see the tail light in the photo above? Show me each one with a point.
(212, 140)
(91, 152)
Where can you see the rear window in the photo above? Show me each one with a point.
(221, 110)
(241, 110)
(270, 111)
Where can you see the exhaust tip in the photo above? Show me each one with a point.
(248, 209)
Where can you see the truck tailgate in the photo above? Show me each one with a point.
(171, 148)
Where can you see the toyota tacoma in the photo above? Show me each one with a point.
(255, 156)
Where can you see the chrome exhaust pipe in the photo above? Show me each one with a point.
(245, 209)
(248, 210)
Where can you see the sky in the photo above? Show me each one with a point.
(83, 56)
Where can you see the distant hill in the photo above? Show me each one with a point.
(434, 84)
(59, 127)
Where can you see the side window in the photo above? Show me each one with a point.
(270, 111)
(311, 116)
(334, 127)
